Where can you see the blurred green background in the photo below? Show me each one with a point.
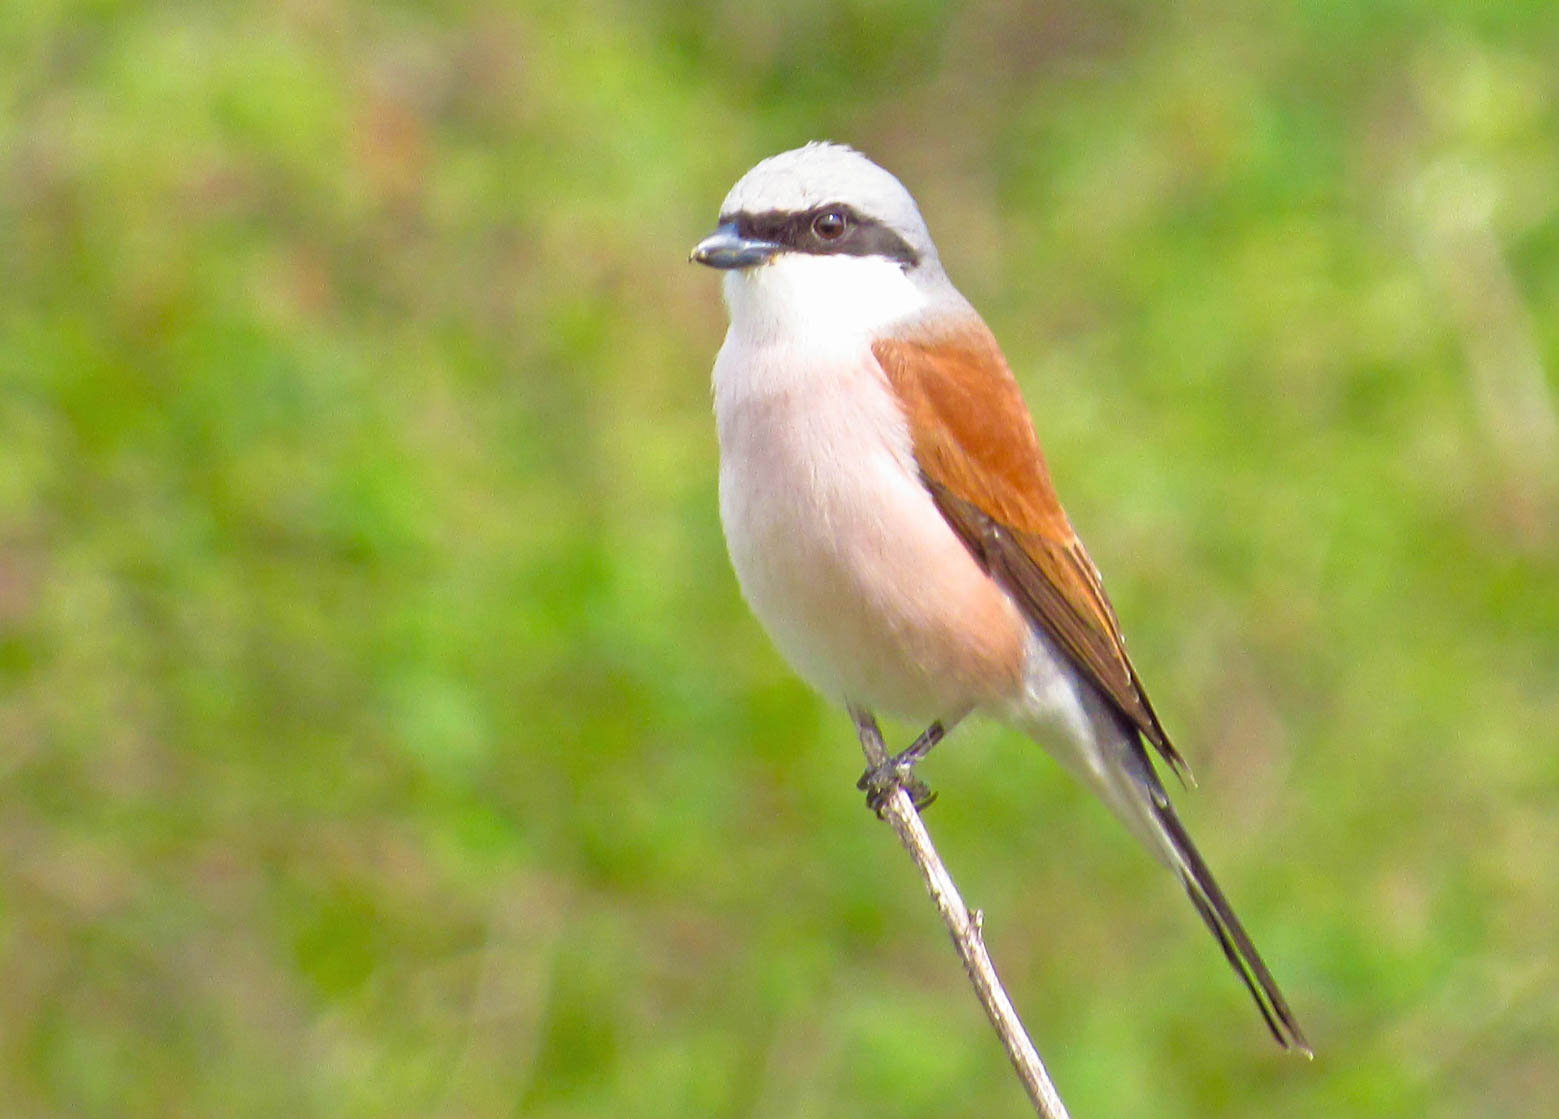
(382, 732)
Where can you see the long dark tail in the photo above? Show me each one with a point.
(1118, 768)
(1232, 937)
(1142, 794)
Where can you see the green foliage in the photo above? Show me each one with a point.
(382, 733)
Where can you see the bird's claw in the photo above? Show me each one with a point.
(880, 781)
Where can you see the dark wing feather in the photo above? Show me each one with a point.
(974, 443)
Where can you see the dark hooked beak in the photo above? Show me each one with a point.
(726, 248)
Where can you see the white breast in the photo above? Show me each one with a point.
(838, 546)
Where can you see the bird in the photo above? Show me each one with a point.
(891, 518)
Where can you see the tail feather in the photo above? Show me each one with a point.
(1076, 726)
(1136, 791)
(1232, 937)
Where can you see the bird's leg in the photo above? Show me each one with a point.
(897, 771)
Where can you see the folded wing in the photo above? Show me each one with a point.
(975, 446)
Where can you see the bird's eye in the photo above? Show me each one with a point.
(829, 226)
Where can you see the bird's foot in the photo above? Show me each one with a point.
(880, 781)
(897, 772)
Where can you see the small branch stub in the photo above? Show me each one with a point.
(964, 927)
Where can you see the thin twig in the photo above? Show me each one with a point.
(964, 927)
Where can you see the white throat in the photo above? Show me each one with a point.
(808, 302)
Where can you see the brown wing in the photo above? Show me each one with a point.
(974, 443)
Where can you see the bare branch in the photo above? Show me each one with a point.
(964, 927)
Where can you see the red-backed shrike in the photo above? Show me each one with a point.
(890, 516)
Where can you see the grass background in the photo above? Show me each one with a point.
(381, 730)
